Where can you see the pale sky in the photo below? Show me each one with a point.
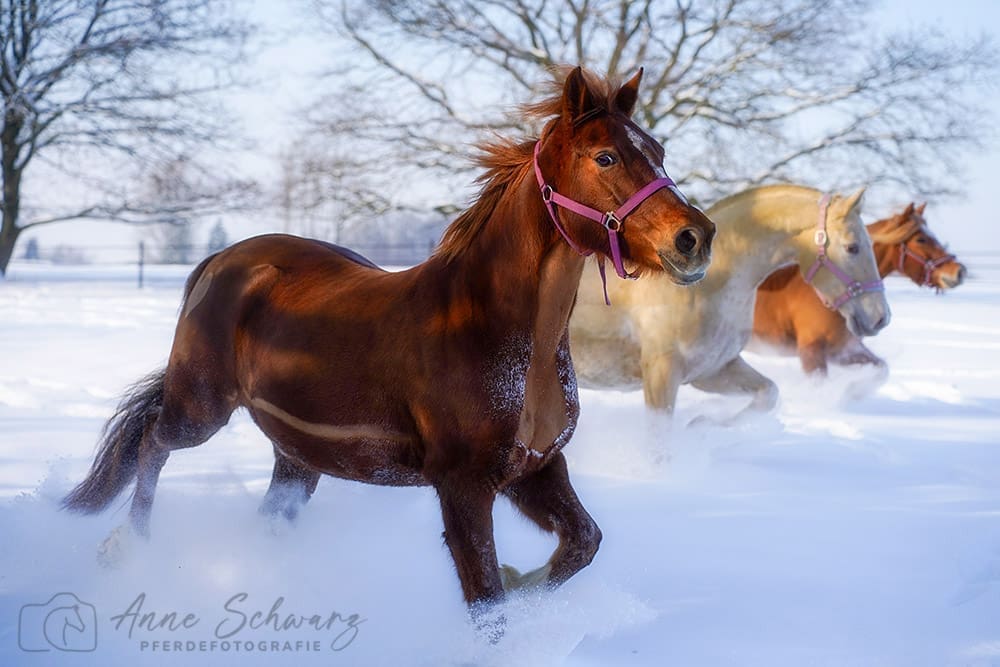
(285, 67)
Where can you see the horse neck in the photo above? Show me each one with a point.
(886, 257)
(764, 231)
(517, 269)
(886, 254)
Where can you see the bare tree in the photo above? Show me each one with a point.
(97, 91)
(741, 92)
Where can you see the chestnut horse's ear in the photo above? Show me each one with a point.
(577, 98)
(854, 201)
(908, 211)
(627, 95)
(920, 209)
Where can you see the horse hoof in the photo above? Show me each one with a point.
(489, 621)
(702, 421)
(513, 580)
(114, 549)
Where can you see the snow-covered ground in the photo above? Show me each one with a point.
(831, 533)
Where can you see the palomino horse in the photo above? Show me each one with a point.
(788, 315)
(667, 336)
(455, 373)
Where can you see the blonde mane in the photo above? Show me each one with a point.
(778, 190)
(896, 229)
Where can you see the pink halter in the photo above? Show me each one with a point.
(854, 288)
(928, 264)
(611, 220)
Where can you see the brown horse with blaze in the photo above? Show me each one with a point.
(790, 316)
(455, 373)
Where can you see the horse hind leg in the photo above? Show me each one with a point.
(168, 410)
(548, 499)
(292, 485)
(740, 378)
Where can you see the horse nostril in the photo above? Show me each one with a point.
(960, 276)
(686, 242)
(880, 324)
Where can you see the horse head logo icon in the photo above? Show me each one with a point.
(64, 623)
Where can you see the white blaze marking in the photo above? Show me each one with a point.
(641, 146)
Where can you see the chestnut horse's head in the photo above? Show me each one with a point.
(848, 279)
(913, 250)
(592, 153)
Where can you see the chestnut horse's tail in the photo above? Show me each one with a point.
(118, 453)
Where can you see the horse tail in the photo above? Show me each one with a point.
(118, 452)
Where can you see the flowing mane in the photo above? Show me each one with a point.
(508, 161)
(896, 229)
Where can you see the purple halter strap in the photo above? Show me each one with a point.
(855, 288)
(611, 220)
(928, 264)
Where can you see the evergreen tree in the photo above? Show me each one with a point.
(217, 238)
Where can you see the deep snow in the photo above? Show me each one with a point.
(832, 532)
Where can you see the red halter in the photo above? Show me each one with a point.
(854, 288)
(928, 264)
(611, 220)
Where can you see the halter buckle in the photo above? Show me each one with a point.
(855, 290)
(547, 193)
(611, 222)
(820, 238)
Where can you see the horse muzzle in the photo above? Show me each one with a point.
(687, 256)
(951, 280)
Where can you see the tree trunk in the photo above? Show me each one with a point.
(8, 239)
(10, 172)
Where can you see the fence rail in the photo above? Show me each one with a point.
(143, 254)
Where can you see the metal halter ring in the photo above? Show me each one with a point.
(611, 222)
(547, 193)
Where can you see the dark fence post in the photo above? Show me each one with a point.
(142, 260)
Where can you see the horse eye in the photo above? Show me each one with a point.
(853, 249)
(921, 239)
(606, 159)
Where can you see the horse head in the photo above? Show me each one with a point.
(916, 252)
(593, 154)
(851, 283)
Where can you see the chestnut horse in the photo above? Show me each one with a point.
(789, 316)
(455, 373)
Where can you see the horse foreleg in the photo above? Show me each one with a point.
(660, 380)
(855, 353)
(740, 378)
(813, 357)
(547, 498)
(291, 487)
(467, 511)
